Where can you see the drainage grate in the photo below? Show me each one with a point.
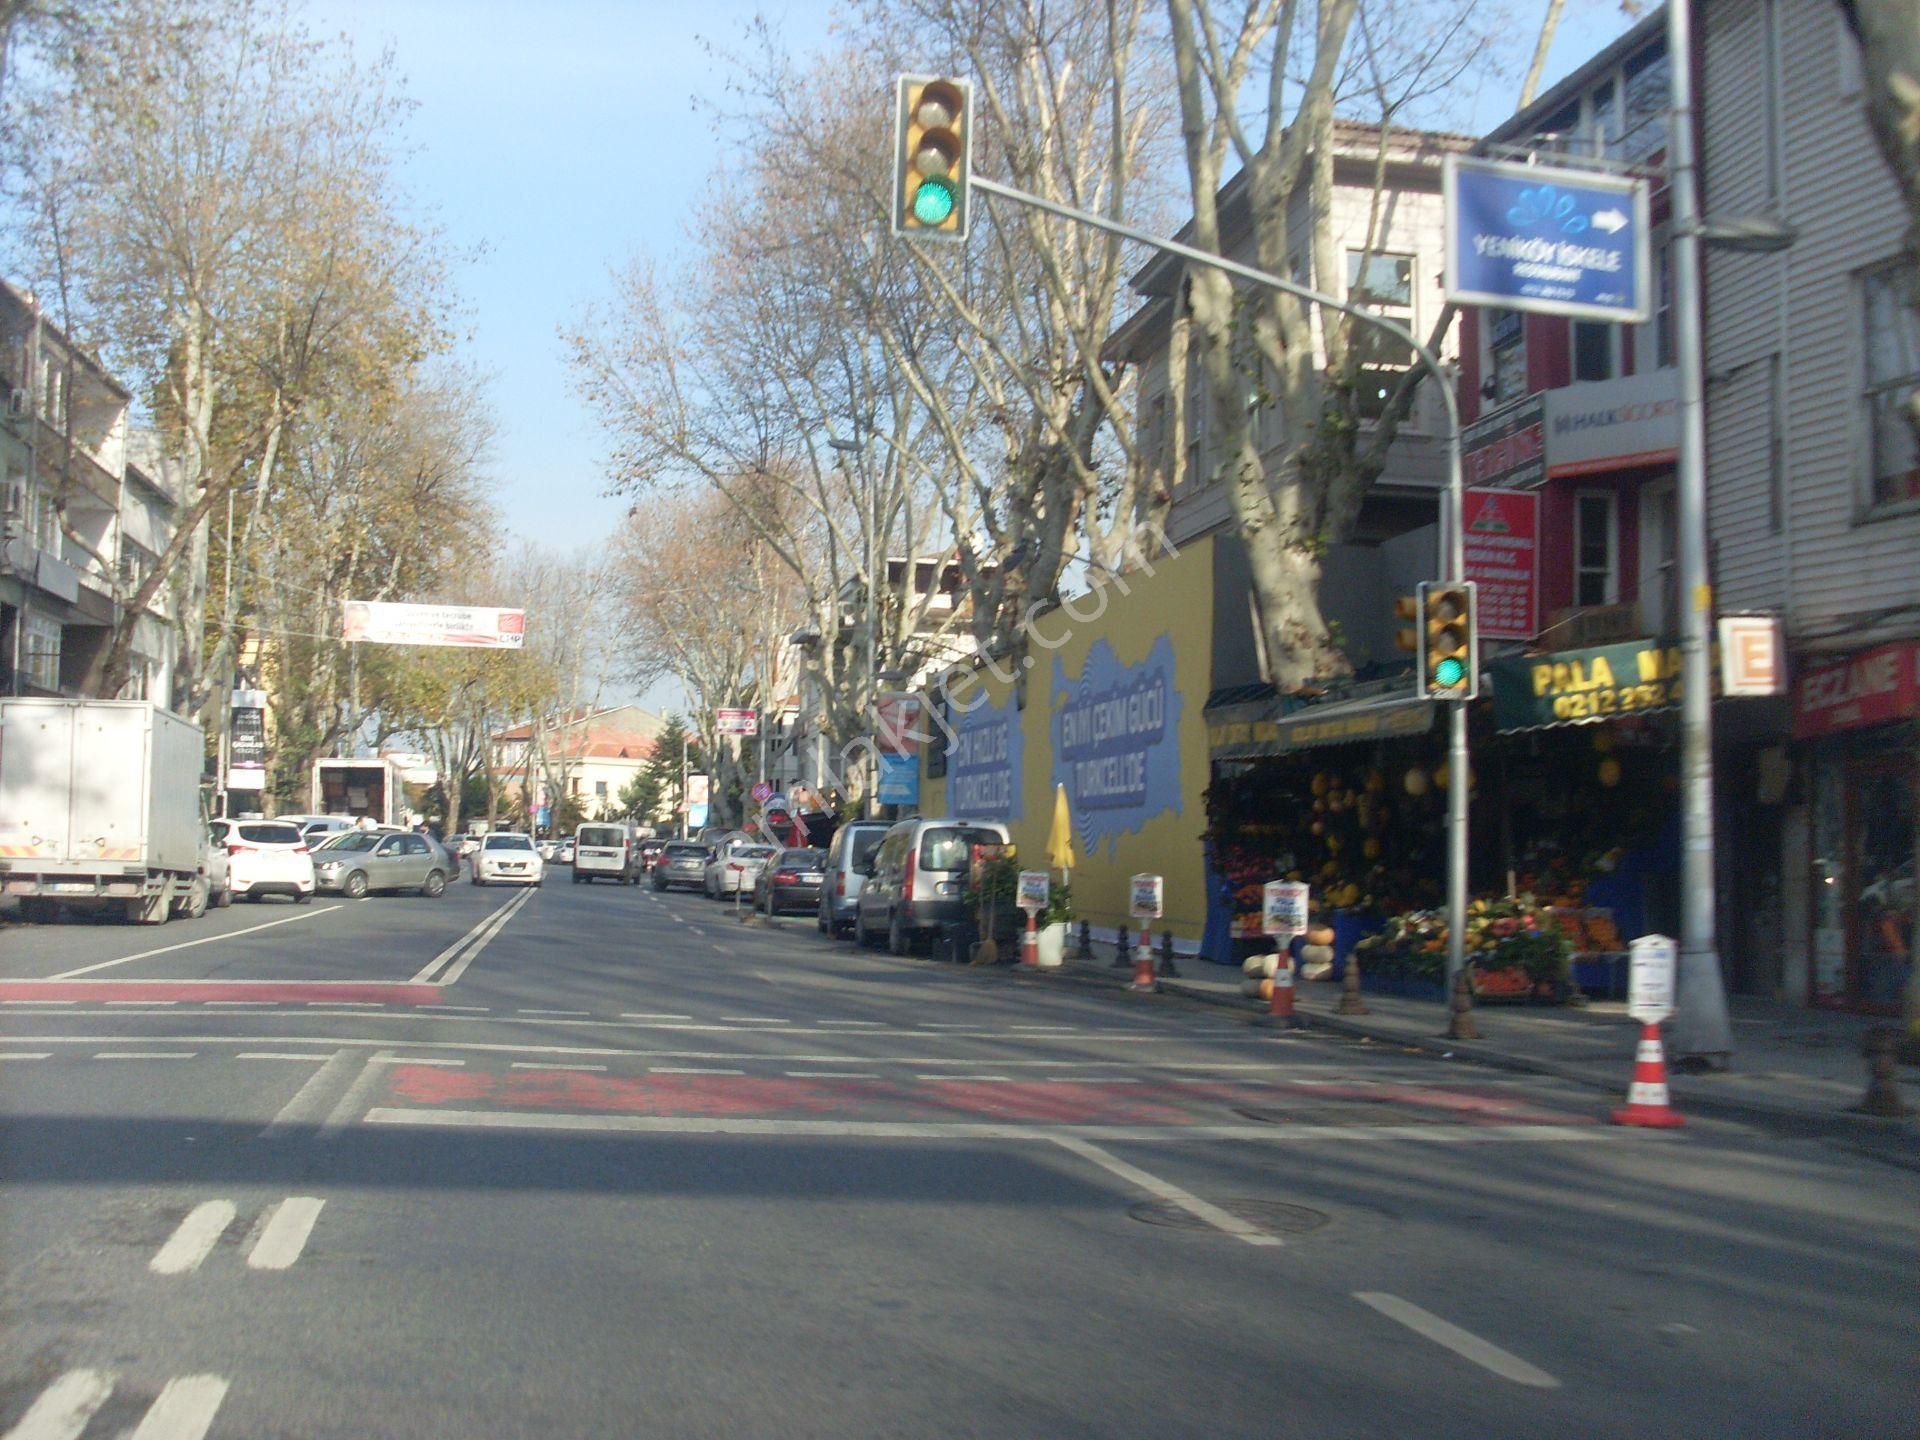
(1363, 1113)
(1272, 1216)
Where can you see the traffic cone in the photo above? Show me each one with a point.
(1647, 1102)
(1030, 944)
(1280, 1007)
(1143, 963)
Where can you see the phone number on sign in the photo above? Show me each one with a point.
(1619, 700)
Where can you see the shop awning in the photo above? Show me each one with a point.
(1583, 687)
(1246, 732)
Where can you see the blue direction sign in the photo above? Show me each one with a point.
(1546, 239)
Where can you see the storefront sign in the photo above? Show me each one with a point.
(477, 627)
(1752, 658)
(1551, 240)
(1116, 740)
(899, 781)
(1033, 890)
(1571, 686)
(1283, 909)
(1503, 560)
(1507, 449)
(984, 763)
(1145, 895)
(1318, 725)
(736, 722)
(1866, 689)
(1601, 425)
(1650, 971)
(247, 741)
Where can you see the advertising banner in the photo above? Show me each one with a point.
(1571, 687)
(1503, 559)
(984, 763)
(247, 741)
(736, 722)
(1116, 741)
(473, 627)
(1548, 239)
(896, 723)
(899, 782)
(1650, 972)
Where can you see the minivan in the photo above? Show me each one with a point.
(917, 879)
(604, 851)
(847, 859)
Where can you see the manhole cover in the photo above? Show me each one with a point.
(1360, 1114)
(1273, 1216)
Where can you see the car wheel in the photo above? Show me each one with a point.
(898, 942)
(355, 887)
(194, 905)
(223, 899)
(476, 878)
(436, 885)
(303, 897)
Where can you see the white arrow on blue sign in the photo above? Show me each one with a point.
(1548, 239)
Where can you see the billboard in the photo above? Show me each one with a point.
(477, 627)
(1548, 239)
(247, 740)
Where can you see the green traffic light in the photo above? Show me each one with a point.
(933, 201)
(1449, 672)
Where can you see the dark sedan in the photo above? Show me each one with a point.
(791, 881)
(683, 862)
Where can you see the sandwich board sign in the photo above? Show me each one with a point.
(1650, 976)
(1147, 894)
(1283, 909)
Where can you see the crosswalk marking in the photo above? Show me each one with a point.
(285, 1235)
(184, 1410)
(64, 1407)
(195, 1238)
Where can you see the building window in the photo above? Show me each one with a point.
(1506, 355)
(1644, 121)
(1595, 352)
(1659, 548)
(1606, 121)
(1382, 283)
(40, 651)
(599, 789)
(1892, 375)
(1595, 545)
(1662, 311)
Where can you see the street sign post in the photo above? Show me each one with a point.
(762, 793)
(1283, 910)
(1549, 239)
(736, 722)
(1148, 894)
(1650, 973)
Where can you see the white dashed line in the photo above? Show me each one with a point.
(38, 1002)
(146, 1004)
(349, 1004)
(240, 1002)
(144, 1055)
(413, 1060)
(184, 1409)
(1167, 1190)
(542, 1065)
(194, 1239)
(285, 1234)
(863, 1024)
(637, 1015)
(1463, 1343)
(753, 1020)
(833, 1074)
(552, 1012)
(27, 1055)
(1037, 1029)
(689, 1070)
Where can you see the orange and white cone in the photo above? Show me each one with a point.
(1280, 1006)
(1143, 978)
(1647, 1102)
(1030, 944)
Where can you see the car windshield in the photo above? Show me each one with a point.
(270, 835)
(599, 835)
(949, 847)
(863, 844)
(507, 842)
(352, 840)
(803, 859)
(754, 852)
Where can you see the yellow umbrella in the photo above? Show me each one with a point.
(1060, 838)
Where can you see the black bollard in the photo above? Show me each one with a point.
(1122, 945)
(1167, 968)
(1085, 951)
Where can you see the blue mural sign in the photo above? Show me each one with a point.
(984, 763)
(1116, 741)
(1547, 239)
(899, 780)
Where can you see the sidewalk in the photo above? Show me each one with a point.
(1792, 1068)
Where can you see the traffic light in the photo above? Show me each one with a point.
(1449, 654)
(1406, 609)
(932, 156)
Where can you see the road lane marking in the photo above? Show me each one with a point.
(465, 1009)
(457, 956)
(834, 1074)
(145, 1055)
(1039, 1029)
(1091, 1080)
(279, 1055)
(863, 1024)
(149, 1004)
(413, 1060)
(27, 1055)
(524, 1011)
(285, 1235)
(1463, 1343)
(39, 1002)
(753, 1020)
(64, 1407)
(239, 1002)
(184, 1409)
(1166, 1190)
(189, 944)
(354, 1101)
(690, 1070)
(194, 1239)
(310, 1100)
(344, 1004)
(547, 1065)
(641, 1015)
(693, 929)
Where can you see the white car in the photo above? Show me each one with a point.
(507, 859)
(265, 857)
(735, 870)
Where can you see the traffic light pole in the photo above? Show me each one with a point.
(1453, 550)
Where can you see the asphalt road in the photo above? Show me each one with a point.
(589, 1161)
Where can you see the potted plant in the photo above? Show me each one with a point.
(1053, 923)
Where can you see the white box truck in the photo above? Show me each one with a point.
(100, 809)
(367, 788)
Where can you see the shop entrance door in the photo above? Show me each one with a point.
(1879, 880)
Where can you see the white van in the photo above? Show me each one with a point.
(604, 850)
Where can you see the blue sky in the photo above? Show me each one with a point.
(563, 137)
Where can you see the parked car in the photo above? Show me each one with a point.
(563, 855)
(505, 857)
(734, 869)
(683, 862)
(917, 879)
(266, 857)
(219, 870)
(546, 847)
(469, 844)
(318, 827)
(604, 851)
(363, 860)
(790, 881)
(848, 857)
(649, 852)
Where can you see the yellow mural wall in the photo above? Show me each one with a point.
(1114, 707)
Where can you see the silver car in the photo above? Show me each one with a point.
(917, 879)
(847, 859)
(734, 870)
(360, 861)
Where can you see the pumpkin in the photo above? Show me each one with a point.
(1311, 954)
(1320, 935)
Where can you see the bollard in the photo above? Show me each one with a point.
(1143, 962)
(1030, 942)
(1121, 944)
(1085, 951)
(1167, 969)
(1461, 1026)
(1881, 1046)
(1280, 1007)
(1350, 1001)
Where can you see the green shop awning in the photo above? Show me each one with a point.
(1246, 732)
(1583, 687)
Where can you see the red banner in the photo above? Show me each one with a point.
(1503, 560)
(1866, 689)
